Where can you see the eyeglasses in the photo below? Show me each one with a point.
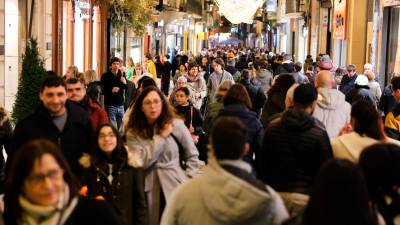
(53, 175)
(149, 103)
(110, 135)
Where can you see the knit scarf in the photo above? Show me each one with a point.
(33, 214)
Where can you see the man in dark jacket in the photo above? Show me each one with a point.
(114, 84)
(76, 92)
(256, 94)
(58, 120)
(348, 81)
(295, 146)
(166, 74)
(233, 70)
(287, 65)
(360, 92)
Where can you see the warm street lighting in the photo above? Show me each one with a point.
(239, 11)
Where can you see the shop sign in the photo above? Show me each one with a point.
(84, 7)
(339, 19)
(391, 2)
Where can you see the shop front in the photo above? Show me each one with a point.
(389, 59)
(80, 36)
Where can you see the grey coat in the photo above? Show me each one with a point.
(161, 155)
(213, 84)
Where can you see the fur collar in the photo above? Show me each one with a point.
(85, 161)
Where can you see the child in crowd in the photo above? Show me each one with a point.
(192, 116)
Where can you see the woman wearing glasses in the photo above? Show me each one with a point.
(111, 174)
(163, 144)
(41, 189)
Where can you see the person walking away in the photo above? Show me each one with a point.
(243, 199)
(294, 148)
(331, 109)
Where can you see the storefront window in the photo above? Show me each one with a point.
(393, 59)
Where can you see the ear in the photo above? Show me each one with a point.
(40, 96)
(246, 149)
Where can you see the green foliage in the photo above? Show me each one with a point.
(30, 80)
(130, 14)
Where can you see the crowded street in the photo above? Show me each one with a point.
(199, 112)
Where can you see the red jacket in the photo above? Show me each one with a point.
(97, 114)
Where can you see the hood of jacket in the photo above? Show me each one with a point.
(330, 98)
(289, 67)
(241, 111)
(231, 69)
(234, 201)
(297, 120)
(263, 73)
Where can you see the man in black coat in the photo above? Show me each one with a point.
(115, 85)
(287, 65)
(295, 146)
(57, 119)
(256, 94)
(166, 75)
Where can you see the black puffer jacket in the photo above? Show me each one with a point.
(294, 149)
(125, 193)
(275, 104)
(75, 139)
(285, 68)
(256, 95)
(255, 130)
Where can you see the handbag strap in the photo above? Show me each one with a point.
(191, 115)
(182, 158)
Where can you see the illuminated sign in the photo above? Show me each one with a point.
(84, 7)
(339, 19)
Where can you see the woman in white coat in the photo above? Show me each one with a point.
(163, 145)
(366, 129)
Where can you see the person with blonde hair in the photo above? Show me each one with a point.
(374, 86)
(90, 76)
(72, 72)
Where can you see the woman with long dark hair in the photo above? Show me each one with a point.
(339, 196)
(112, 174)
(366, 130)
(276, 97)
(41, 189)
(163, 145)
(380, 164)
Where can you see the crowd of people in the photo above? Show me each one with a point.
(230, 136)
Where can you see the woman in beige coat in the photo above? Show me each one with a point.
(366, 129)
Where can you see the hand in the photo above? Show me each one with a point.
(115, 89)
(123, 69)
(191, 129)
(197, 94)
(347, 128)
(166, 130)
(123, 79)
